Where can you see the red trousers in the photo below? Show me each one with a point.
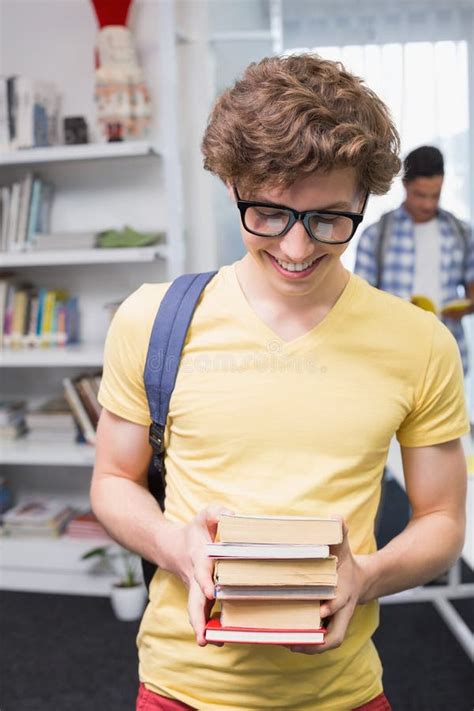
(148, 701)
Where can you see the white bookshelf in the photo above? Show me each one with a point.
(97, 186)
(86, 151)
(82, 355)
(27, 451)
(125, 255)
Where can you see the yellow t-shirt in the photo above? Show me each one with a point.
(261, 425)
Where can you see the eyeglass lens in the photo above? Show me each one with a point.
(272, 222)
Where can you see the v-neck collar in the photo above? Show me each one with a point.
(314, 333)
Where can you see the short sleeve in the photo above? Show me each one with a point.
(439, 413)
(122, 389)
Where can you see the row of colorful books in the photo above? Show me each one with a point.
(32, 316)
(29, 113)
(25, 211)
(50, 518)
(270, 574)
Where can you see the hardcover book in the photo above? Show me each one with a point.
(215, 632)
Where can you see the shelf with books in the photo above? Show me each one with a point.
(82, 256)
(51, 565)
(26, 451)
(77, 355)
(86, 151)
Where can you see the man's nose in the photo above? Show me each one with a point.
(297, 245)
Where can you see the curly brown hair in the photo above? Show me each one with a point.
(290, 116)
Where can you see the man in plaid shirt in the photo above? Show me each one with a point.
(420, 249)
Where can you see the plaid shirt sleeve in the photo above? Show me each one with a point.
(366, 256)
(469, 275)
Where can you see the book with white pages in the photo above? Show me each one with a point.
(266, 550)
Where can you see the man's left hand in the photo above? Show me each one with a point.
(350, 583)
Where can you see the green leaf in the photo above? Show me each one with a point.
(96, 552)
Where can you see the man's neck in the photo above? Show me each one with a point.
(273, 306)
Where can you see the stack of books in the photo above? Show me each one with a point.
(39, 518)
(86, 525)
(52, 420)
(271, 573)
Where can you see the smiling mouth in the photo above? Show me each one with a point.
(296, 267)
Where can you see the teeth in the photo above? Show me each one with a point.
(292, 267)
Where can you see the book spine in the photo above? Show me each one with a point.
(12, 110)
(5, 197)
(4, 125)
(13, 216)
(24, 210)
(47, 322)
(79, 411)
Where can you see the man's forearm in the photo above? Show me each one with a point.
(427, 547)
(133, 518)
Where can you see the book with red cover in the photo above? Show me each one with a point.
(253, 635)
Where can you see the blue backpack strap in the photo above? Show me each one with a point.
(164, 352)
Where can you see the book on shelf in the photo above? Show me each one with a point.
(25, 212)
(275, 592)
(51, 420)
(295, 530)
(63, 240)
(85, 525)
(81, 394)
(86, 424)
(271, 614)
(319, 571)
(29, 113)
(263, 551)
(44, 518)
(215, 632)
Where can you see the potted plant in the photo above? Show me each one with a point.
(128, 594)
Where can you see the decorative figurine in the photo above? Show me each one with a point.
(123, 101)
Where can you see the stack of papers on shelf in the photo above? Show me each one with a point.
(65, 240)
(43, 518)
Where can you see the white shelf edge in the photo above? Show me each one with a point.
(83, 256)
(68, 356)
(86, 151)
(24, 450)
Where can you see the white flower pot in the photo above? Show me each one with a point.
(128, 602)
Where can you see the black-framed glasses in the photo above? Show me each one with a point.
(266, 219)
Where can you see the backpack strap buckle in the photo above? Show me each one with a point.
(156, 438)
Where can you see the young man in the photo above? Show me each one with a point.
(295, 376)
(420, 249)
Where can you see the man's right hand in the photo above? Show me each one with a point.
(195, 568)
